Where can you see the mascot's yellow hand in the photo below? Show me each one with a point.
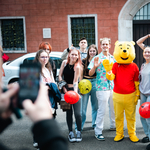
(108, 66)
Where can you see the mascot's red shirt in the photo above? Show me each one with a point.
(125, 75)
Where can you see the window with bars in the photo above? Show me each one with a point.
(83, 27)
(143, 13)
(12, 35)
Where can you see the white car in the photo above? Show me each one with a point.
(11, 68)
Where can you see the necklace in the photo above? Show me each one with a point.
(70, 66)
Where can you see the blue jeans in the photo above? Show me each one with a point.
(94, 104)
(145, 122)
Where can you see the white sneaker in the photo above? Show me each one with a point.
(79, 137)
(71, 137)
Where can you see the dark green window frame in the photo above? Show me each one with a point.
(12, 34)
(83, 27)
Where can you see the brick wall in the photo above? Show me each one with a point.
(52, 14)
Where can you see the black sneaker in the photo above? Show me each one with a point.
(145, 139)
(79, 138)
(100, 137)
(71, 137)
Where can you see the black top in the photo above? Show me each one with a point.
(68, 73)
(86, 70)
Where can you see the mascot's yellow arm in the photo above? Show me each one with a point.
(137, 91)
(108, 67)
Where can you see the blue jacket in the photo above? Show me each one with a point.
(54, 95)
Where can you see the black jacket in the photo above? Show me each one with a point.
(47, 133)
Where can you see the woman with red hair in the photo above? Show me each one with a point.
(48, 48)
(70, 72)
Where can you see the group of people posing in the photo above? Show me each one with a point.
(78, 65)
(87, 64)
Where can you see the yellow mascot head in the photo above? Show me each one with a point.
(124, 52)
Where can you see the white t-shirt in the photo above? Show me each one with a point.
(47, 77)
(144, 86)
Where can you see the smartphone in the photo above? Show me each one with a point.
(29, 82)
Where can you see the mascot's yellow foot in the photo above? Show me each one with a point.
(119, 138)
(134, 138)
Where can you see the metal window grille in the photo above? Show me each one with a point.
(143, 13)
(83, 27)
(12, 34)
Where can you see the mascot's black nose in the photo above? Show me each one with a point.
(124, 51)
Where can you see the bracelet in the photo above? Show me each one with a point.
(148, 35)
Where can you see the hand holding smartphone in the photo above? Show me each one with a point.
(29, 82)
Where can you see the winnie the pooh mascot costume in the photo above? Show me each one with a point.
(126, 93)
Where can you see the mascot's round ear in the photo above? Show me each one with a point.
(116, 42)
(133, 42)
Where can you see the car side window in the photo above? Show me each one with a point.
(58, 61)
(30, 59)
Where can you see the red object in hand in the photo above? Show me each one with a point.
(5, 57)
(71, 97)
(144, 110)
